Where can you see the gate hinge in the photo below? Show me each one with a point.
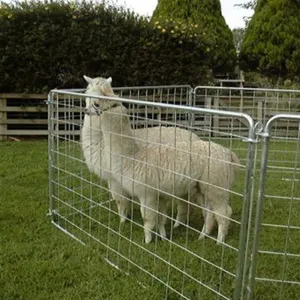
(263, 134)
(250, 140)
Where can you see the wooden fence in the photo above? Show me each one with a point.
(23, 115)
(26, 114)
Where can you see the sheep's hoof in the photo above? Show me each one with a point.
(122, 220)
(163, 237)
(201, 236)
(148, 240)
(176, 224)
(162, 232)
(221, 240)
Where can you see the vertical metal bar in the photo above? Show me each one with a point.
(50, 154)
(259, 210)
(191, 101)
(242, 100)
(216, 117)
(245, 215)
(246, 263)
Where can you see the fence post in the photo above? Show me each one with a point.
(260, 110)
(208, 102)
(3, 119)
(216, 118)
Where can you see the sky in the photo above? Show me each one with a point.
(233, 15)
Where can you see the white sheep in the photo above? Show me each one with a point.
(202, 170)
(93, 145)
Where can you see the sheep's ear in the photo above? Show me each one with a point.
(88, 79)
(106, 88)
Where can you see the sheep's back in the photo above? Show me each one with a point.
(165, 135)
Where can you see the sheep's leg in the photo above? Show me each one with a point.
(149, 215)
(201, 201)
(121, 198)
(204, 212)
(209, 223)
(181, 216)
(162, 220)
(223, 222)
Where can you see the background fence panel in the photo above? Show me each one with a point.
(260, 104)
(26, 114)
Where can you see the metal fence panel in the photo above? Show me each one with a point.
(260, 104)
(177, 95)
(182, 265)
(276, 251)
(260, 257)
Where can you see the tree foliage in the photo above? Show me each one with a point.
(207, 17)
(272, 41)
(247, 5)
(47, 45)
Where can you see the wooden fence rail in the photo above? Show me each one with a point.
(26, 115)
(23, 114)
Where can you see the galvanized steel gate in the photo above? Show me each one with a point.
(270, 154)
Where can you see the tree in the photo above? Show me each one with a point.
(247, 5)
(52, 44)
(207, 17)
(271, 44)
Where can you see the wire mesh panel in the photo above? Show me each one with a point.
(276, 250)
(180, 94)
(260, 104)
(147, 193)
(177, 95)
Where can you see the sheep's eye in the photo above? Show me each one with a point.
(97, 104)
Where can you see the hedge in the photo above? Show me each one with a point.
(45, 45)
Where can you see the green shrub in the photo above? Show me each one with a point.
(205, 19)
(261, 81)
(271, 44)
(49, 45)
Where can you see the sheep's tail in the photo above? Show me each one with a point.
(234, 158)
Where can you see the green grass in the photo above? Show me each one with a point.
(37, 261)
(40, 262)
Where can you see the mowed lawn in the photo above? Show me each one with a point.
(37, 261)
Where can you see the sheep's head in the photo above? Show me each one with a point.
(99, 86)
(102, 87)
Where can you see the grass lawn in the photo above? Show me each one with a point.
(37, 261)
(40, 262)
